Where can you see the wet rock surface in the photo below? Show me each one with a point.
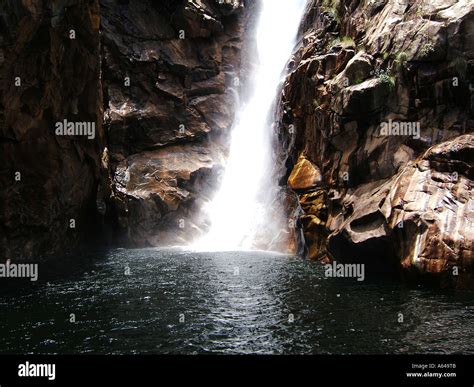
(164, 191)
(379, 99)
(159, 80)
(172, 74)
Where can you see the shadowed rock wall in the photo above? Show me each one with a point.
(49, 72)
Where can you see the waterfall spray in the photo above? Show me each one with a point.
(240, 208)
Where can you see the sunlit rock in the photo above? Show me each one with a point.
(305, 175)
(424, 216)
(170, 71)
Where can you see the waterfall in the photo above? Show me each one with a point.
(240, 209)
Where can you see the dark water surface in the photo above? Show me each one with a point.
(232, 303)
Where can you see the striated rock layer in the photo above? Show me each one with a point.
(375, 122)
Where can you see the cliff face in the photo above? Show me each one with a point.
(158, 80)
(49, 70)
(376, 123)
(375, 126)
(172, 71)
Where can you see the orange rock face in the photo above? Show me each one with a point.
(305, 175)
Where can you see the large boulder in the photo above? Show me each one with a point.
(305, 175)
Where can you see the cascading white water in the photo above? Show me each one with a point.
(240, 207)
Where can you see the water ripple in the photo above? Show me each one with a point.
(188, 302)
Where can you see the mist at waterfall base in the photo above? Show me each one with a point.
(245, 203)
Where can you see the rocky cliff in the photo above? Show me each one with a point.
(157, 81)
(375, 127)
(172, 75)
(376, 122)
(49, 72)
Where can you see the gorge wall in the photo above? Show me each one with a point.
(49, 72)
(365, 78)
(158, 79)
(161, 80)
(172, 75)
